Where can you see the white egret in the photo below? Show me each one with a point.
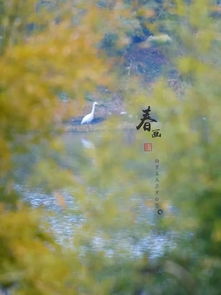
(89, 117)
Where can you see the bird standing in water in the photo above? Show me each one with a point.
(89, 117)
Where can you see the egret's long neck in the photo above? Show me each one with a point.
(93, 109)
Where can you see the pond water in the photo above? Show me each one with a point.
(82, 155)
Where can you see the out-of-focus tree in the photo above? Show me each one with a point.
(39, 59)
(195, 149)
(42, 53)
(189, 153)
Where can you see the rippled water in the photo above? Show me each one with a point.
(64, 222)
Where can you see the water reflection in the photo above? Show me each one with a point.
(65, 220)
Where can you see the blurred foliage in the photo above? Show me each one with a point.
(48, 48)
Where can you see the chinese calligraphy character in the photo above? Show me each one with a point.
(146, 117)
(156, 133)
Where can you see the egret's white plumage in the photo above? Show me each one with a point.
(89, 117)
